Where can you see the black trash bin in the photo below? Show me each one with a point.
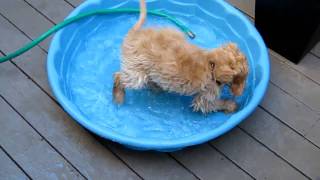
(289, 27)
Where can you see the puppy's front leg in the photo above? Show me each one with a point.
(205, 103)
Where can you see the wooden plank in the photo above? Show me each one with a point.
(206, 163)
(27, 19)
(152, 165)
(254, 158)
(173, 166)
(285, 142)
(32, 62)
(298, 111)
(38, 77)
(312, 122)
(29, 150)
(293, 113)
(286, 103)
(57, 10)
(247, 6)
(83, 151)
(314, 133)
(295, 83)
(289, 110)
(308, 66)
(9, 170)
(316, 49)
(36, 62)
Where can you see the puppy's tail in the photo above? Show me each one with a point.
(118, 91)
(142, 17)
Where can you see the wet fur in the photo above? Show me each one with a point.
(163, 59)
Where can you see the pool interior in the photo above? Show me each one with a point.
(89, 54)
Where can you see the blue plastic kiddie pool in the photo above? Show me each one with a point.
(84, 55)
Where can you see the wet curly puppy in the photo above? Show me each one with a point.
(163, 59)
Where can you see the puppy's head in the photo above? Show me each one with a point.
(229, 66)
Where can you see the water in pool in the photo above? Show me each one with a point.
(95, 56)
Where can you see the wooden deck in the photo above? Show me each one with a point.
(38, 140)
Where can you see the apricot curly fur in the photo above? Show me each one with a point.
(165, 59)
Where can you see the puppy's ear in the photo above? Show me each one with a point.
(238, 85)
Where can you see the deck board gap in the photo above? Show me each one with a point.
(295, 98)
(25, 34)
(45, 139)
(39, 12)
(232, 161)
(297, 132)
(273, 152)
(14, 161)
(181, 164)
(69, 3)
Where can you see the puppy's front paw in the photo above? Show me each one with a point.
(201, 105)
(230, 106)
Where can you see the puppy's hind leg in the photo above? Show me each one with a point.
(118, 91)
(207, 102)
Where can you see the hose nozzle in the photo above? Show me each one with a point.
(191, 34)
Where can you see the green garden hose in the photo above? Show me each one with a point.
(90, 13)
